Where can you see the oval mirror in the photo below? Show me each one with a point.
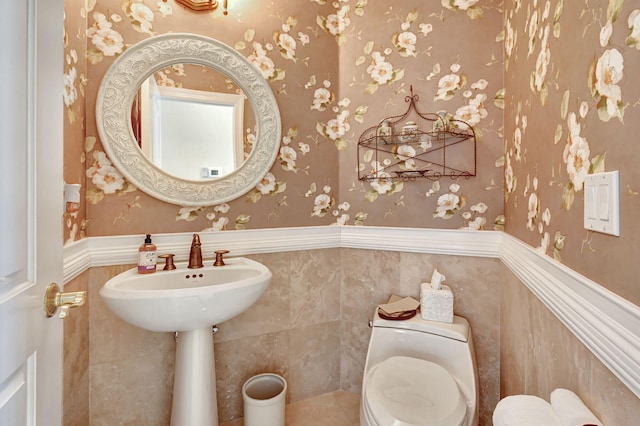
(116, 120)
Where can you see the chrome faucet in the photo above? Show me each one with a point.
(195, 255)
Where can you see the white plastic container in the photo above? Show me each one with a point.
(264, 398)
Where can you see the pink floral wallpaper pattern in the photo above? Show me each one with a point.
(336, 69)
(547, 85)
(571, 103)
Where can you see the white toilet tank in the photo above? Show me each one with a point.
(448, 345)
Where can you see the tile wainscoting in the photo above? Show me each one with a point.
(311, 325)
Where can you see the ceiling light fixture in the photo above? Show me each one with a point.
(203, 5)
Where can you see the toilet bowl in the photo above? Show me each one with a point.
(419, 373)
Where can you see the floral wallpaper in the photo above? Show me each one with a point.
(336, 68)
(74, 99)
(429, 49)
(571, 101)
(547, 85)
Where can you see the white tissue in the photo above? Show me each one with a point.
(571, 410)
(436, 280)
(566, 409)
(436, 305)
(524, 410)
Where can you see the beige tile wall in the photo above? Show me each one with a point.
(310, 326)
(539, 354)
(130, 369)
(76, 359)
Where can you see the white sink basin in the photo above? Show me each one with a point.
(189, 301)
(186, 299)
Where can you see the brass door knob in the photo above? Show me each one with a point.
(54, 299)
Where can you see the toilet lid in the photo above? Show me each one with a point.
(405, 391)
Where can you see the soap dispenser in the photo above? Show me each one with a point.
(147, 257)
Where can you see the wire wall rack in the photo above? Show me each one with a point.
(417, 145)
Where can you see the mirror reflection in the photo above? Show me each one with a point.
(190, 121)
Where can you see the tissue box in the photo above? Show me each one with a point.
(436, 305)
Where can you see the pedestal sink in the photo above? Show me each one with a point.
(189, 301)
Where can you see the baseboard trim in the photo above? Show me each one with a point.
(608, 325)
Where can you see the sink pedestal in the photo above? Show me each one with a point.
(194, 382)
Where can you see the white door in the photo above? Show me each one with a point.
(30, 210)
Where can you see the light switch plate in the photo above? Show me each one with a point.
(602, 203)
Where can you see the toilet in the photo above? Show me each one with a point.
(419, 373)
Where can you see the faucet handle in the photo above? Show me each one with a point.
(168, 261)
(219, 260)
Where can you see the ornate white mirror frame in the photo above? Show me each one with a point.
(113, 118)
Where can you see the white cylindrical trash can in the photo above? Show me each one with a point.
(264, 397)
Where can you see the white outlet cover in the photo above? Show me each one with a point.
(602, 203)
